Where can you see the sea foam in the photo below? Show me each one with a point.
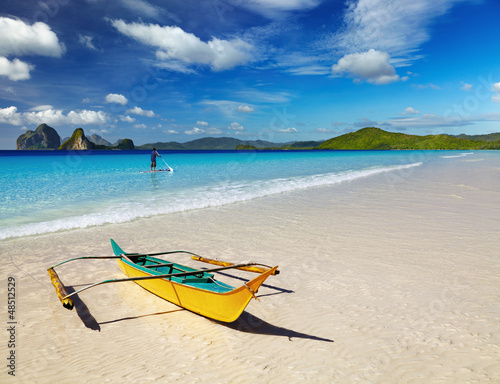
(128, 208)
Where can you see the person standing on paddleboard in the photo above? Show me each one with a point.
(153, 159)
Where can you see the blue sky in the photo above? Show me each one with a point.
(277, 70)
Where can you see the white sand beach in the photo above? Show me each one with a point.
(394, 278)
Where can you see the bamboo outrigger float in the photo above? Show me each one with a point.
(193, 289)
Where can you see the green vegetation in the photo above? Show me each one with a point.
(242, 147)
(489, 137)
(376, 138)
(44, 137)
(212, 143)
(77, 141)
(303, 145)
(125, 144)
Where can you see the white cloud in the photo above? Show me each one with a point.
(425, 86)
(324, 130)
(287, 130)
(275, 8)
(52, 117)
(142, 7)
(213, 131)
(202, 123)
(496, 87)
(116, 98)
(310, 70)
(141, 112)
(227, 107)
(140, 126)
(245, 108)
(174, 44)
(171, 132)
(42, 108)
(48, 116)
(18, 39)
(398, 27)
(236, 126)
(128, 119)
(410, 111)
(86, 117)
(15, 70)
(10, 116)
(466, 87)
(87, 41)
(195, 131)
(372, 66)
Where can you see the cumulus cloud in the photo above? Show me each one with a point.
(19, 39)
(236, 126)
(410, 111)
(175, 45)
(116, 98)
(128, 119)
(10, 116)
(372, 66)
(194, 131)
(202, 123)
(245, 108)
(15, 70)
(200, 131)
(141, 112)
(51, 116)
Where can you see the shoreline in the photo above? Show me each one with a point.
(388, 279)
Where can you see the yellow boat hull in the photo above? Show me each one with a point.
(226, 307)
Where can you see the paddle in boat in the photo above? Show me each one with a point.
(196, 290)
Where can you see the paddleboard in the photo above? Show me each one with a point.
(158, 170)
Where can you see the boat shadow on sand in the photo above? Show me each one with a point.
(247, 322)
(83, 311)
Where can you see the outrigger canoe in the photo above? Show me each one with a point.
(196, 290)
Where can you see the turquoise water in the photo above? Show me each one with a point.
(46, 192)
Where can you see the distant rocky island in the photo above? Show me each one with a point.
(45, 137)
(370, 138)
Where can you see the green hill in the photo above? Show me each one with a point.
(376, 138)
(489, 137)
(209, 143)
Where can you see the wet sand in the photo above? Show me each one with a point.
(394, 278)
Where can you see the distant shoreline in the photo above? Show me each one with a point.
(369, 138)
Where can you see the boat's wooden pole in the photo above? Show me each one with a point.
(86, 257)
(228, 264)
(180, 274)
(60, 289)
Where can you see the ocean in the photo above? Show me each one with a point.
(51, 191)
